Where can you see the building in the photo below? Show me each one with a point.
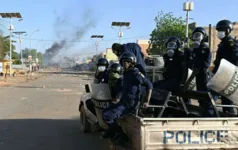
(145, 45)
(110, 55)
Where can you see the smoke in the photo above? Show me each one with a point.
(68, 35)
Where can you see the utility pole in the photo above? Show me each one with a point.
(11, 27)
(96, 43)
(20, 41)
(120, 25)
(187, 6)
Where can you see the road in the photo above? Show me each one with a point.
(43, 115)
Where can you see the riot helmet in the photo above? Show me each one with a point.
(115, 71)
(128, 57)
(102, 64)
(199, 35)
(127, 60)
(224, 28)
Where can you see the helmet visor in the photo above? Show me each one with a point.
(126, 61)
(171, 45)
(197, 36)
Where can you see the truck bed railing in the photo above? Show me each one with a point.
(196, 95)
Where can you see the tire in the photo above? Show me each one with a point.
(84, 124)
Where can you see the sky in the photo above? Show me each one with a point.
(76, 14)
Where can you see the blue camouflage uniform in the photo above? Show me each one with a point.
(227, 49)
(135, 49)
(202, 61)
(132, 81)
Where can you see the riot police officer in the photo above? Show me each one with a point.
(175, 73)
(201, 62)
(227, 49)
(132, 81)
(101, 72)
(174, 66)
(115, 81)
(134, 48)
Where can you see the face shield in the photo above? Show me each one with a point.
(114, 75)
(197, 36)
(171, 45)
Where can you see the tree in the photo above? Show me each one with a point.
(166, 25)
(27, 52)
(40, 58)
(5, 48)
(34, 53)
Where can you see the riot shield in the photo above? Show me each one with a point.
(101, 98)
(100, 91)
(225, 81)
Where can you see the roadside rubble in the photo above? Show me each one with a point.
(19, 79)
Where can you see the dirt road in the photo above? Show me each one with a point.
(43, 115)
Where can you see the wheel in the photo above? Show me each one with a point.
(85, 125)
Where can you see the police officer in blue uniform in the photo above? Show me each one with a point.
(115, 81)
(227, 49)
(133, 48)
(201, 62)
(132, 82)
(101, 75)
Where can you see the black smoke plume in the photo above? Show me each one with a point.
(68, 35)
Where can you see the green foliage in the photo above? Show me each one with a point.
(40, 58)
(5, 48)
(17, 62)
(166, 25)
(33, 52)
